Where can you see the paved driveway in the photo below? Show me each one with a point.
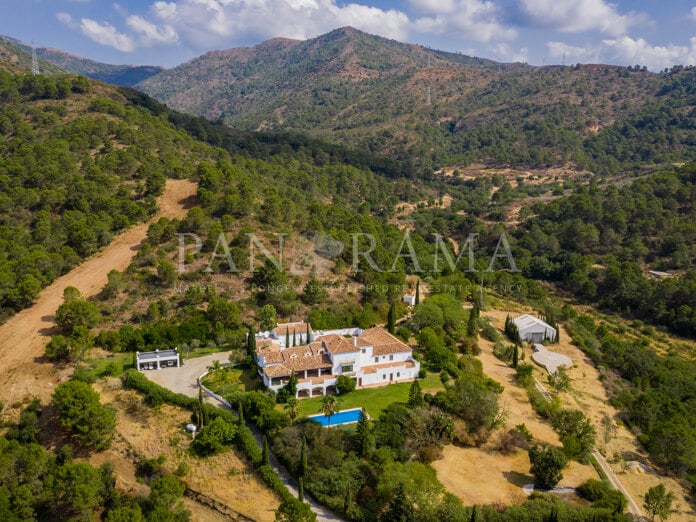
(185, 378)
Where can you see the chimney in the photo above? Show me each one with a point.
(355, 340)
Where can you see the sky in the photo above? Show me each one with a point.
(653, 33)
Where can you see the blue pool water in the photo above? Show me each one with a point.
(340, 417)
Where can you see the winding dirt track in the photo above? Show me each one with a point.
(24, 372)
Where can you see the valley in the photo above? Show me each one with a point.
(276, 216)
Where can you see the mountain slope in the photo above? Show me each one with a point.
(127, 75)
(17, 58)
(436, 107)
(78, 165)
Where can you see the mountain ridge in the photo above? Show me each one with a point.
(126, 75)
(437, 108)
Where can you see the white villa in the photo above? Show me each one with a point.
(534, 330)
(372, 357)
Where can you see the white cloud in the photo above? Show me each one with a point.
(149, 33)
(628, 51)
(693, 13)
(504, 53)
(466, 19)
(106, 34)
(207, 23)
(573, 53)
(575, 16)
(65, 19)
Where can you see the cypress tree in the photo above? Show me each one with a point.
(201, 416)
(294, 337)
(474, 514)
(265, 461)
(287, 337)
(362, 435)
(418, 291)
(240, 413)
(300, 489)
(304, 467)
(515, 356)
(307, 336)
(251, 341)
(391, 319)
(415, 394)
(472, 326)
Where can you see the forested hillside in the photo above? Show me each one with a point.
(372, 93)
(77, 165)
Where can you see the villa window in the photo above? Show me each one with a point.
(347, 368)
(398, 374)
(376, 359)
(391, 357)
(384, 376)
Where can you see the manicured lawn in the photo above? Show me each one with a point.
(225, 381)
(114, 364)
(374, 400)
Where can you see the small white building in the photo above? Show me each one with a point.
(534, 330)
(158, 359)
(410, 299)
(372, 357)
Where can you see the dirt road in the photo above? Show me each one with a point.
(23, 369)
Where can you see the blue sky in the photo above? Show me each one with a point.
(658, 34)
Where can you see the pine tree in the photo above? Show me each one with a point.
(417, 291)
(300, 489)
(515, 356)
(391, 319)
(415, 394)
(265, 461)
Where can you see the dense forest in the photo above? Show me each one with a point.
(600, 242)
(76, 167)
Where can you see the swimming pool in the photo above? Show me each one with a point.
(340, 417)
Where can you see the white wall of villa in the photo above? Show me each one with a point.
(371, 357)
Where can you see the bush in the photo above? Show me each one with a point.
(547, 465)
(593, 489)
(345, 384)
(214, 437)
(524, 374)
(428, 454)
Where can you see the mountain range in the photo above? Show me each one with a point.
(55, 61)
(439, 108)
(431, 108)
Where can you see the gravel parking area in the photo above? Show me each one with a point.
(185, 378)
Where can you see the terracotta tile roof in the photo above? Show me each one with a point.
(338, 344)
(299, 358)
(383, 342)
